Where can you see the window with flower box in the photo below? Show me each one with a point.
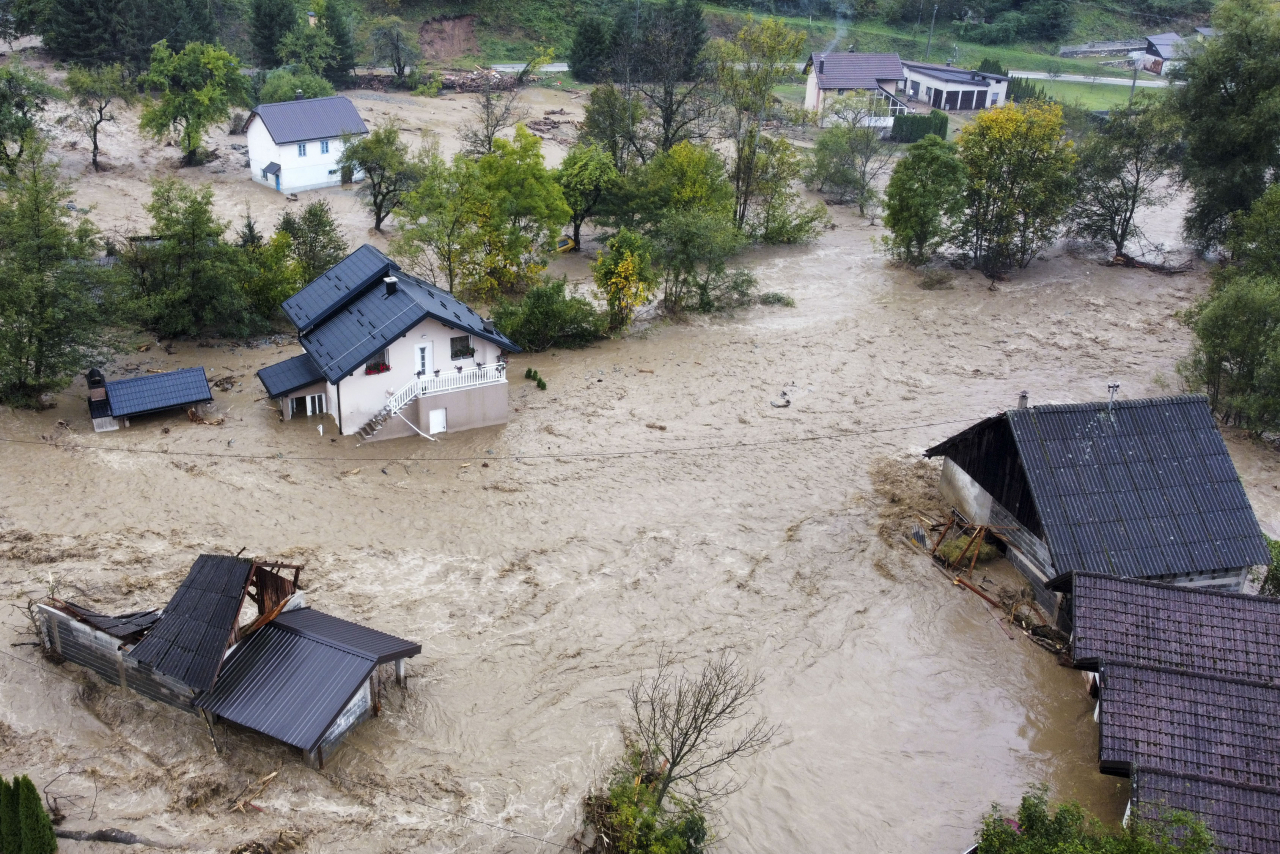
(460, 348)
(377, 364)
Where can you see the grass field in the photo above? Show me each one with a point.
(1091, 96)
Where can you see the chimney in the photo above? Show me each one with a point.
(488, 326)
(297, 95)
(1022, 400)
(822, 64)
(393, 284)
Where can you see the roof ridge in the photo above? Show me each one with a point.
(1181, 671)
(1253, 597)
(311, 636)
(1204, 778)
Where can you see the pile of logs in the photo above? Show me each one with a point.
(479, 80)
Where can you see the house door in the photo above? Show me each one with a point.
(426, 359)
(435, 421)
(277, 182)
(937, 99)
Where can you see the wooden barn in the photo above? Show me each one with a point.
(1133, 488)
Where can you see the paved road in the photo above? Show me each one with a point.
(1143, 83)
(517, 67)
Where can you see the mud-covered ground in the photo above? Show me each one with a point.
(651, 497)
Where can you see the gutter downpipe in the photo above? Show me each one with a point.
(338, 386)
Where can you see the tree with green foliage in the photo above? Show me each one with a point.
(93, 92)
(547, 317)
(1068, 829)
(586, 176)
(269, 22)
(37, 829)
(307, 48)
(334, 17)
(273, 275)
(1253, 240)
(848, 159)
(390, 171)
(612, 121)
(688, 177)
(316, 242)
(625, 276)
(284, 84)
(923, 200)
(100, 32)
(628, 815)
(393, 44)
(10, 824)
(590, 57)
(24, 95)
(1228, 112)
(1020, 184)
(779, 214)
(748, 68)
(441, 219)
(50, 319)
(695, 246)
(1122, 167)
(197, 87)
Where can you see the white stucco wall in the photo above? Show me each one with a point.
(812, 94)
(297, 173)
(996, 92)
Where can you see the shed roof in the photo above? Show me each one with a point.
(1189, 723)
(188, 641)
(845, 70)
(154, 392)
(290, 375)
(1144, 623)
(1166, 45)
(1242, 818)
(311, 118)
(1139, 489)
(292, 679)
(126, 627)
(950, 74)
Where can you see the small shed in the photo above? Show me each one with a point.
(1131, 488)
(944, 87)
(113, 402)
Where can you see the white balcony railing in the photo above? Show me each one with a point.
(446, 379)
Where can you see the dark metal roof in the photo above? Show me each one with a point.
(950, 74)
(1165, 45)
(272, 168)
(333, 288)
(127, 627)
(313, 118)
(1242, 818)
(854, 70)
(189, 640)
(379, 646)
(290, 375)
(293, 677)
(1143, 623)
(1189, 723)
(1145, 489)
(154, 392)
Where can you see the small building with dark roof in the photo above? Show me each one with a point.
(944, 87)
(295, 145)
(877, 76)
(387, 354)
(1134, 489)
(113, 402)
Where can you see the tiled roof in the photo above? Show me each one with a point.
(330, 291)
(312, 118)
(154, 392)
(951, 74)
(290, 375)
(1242, 818)
(854, 70)
(293, 677)
(1143, 623)
(189, 640)
(1189, 723)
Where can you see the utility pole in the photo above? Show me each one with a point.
(919, 17)
(1133, 85)
(932, 20)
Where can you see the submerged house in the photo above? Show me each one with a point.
(1136, 489)
(1188, 688)
(295, 145)
(295, 674)
(943, 87)
(389, 355)
(112, 403)
(875, 75)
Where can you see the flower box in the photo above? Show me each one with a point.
(379, 368)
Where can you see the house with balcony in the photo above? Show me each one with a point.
(386, 355)
(295, 145)
(943, 87)
(877, 77)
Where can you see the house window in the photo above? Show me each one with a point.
(324, 146)
(312, 404)
(426, 362)
(377, 364)
(460, 348)
(302, 149)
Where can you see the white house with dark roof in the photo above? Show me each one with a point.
(389, 355)
(831, 75)
(943, 87)
(1164, 52)
(295, 145)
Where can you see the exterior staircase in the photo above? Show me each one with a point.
(425, 386)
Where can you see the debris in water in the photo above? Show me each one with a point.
(653, 426)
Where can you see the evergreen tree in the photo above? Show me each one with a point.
(335, 17)
(99, 32)
(10, 827)
(37, 829)
(317, 242)
(269, 22)
(590, 55)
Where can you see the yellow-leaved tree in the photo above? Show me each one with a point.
(625, 276)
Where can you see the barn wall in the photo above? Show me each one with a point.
(989, 455)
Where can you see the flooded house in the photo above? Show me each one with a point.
(878, 76)
(1188, 688)
(297, 145)
(389, 355)
(113, 402)
(1139, 489)
(237, 642)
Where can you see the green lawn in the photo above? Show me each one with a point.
(1091, 96)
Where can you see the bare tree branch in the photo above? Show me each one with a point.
(493, 112)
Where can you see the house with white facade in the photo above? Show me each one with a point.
(295, 145)
(1164, 52)
(877, 76)
(388, 355)
(943, 87)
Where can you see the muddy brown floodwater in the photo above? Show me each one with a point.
(543, 583)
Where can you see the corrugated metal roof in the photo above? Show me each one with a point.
(1147, 490)
(951, 74)
(1166, 45)
(126, 627)
(189, 640)
(312, 118)
(1141, 622)
(846, 70)
(331, 290)
(290, 375)
(1242, 818)
(154, 392)
(379, 646)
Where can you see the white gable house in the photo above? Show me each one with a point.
(295, 145)
(875, 76)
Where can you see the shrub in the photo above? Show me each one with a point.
(908, 127)
(775, 298)
(956, 546)
(542, 384)
(10, 827)
(1271, 581)
(37, 829)
(936, 280)
(547, 317)
(629, 816)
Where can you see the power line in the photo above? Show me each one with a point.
(795, 440)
